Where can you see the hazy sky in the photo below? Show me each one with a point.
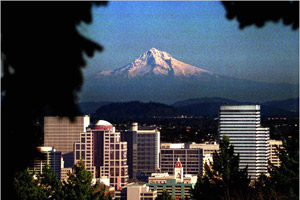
(196, 33)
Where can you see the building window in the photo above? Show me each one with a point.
(82, 146)
(82, 154)
(83, 140)
(77, 155)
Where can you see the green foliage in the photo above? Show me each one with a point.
(47, 186)
(51, 186)
(26, 187)
(164, 196)
(78, 185)
(283, 182)
(223, 179)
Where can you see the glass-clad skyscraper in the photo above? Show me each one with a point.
(241, 123)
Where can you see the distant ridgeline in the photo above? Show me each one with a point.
(205, 107)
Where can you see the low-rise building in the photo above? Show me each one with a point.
(191, 159)
(136, 191)
(274, 156)
(178, 185)
(50, 157)
(64, 173)
(172, 146)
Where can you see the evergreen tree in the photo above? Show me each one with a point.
(26, 188)
(79, 185)
(223, 179)
(285, 179)
(50, 184)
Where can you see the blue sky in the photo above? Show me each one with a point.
(196, 33)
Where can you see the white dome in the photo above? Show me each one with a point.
(103, 123)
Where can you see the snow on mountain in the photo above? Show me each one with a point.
(156, 63)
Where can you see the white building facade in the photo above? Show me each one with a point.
(251, 141)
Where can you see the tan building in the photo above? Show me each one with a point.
(208, 150)
(135, 191)
(274, 158)
(191, 159)
(64, 172)
(172, 146)
(61, 134)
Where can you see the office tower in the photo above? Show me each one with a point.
(103, 153)
(61, 133)
(143, 150)
(50, 157)
(191, 160)
(251, 141)
(83, 150)
(274, 157)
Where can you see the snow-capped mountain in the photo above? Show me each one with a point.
(157, 63)
(157, 76)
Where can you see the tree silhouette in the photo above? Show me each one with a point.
(42, 58)
(259, 12)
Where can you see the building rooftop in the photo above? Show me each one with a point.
(103, 123)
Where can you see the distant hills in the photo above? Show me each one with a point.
(157, 76)
(206, 107)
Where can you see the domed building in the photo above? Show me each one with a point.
(103, 153)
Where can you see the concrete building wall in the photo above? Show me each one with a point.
(61, 133)
(191, 159)
(143, 150)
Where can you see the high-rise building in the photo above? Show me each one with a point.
(84, 150)
(49, 157)
(251, 141)
(191, 160)
(143, 150)
(103, 153)
(275, 145)
(61, 133)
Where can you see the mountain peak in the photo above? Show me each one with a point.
(157, 63)
(156, 54)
